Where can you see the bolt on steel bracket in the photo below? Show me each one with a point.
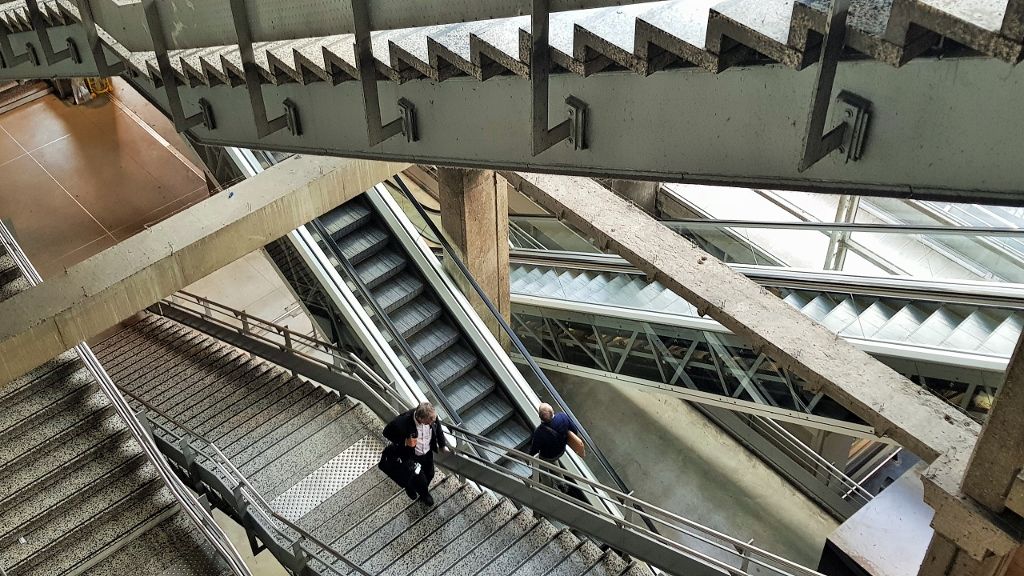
(376, 130)
(572, 128)
(848, 135)
(168, 78)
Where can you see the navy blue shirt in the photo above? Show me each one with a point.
(549, 438)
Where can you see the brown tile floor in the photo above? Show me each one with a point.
(75, 180)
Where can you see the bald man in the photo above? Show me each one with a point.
(550, 439)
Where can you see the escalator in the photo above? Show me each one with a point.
(355, 238)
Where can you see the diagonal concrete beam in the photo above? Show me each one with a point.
(48, 319)
(885, 399)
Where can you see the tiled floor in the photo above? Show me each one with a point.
(75, 180)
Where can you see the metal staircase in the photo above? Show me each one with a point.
(291, 78)
(77, 492)
(310, 453)
(430, 334)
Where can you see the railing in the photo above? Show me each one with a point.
(190, 446)
(834, 478)
(327, 355)
(196, 512)
(694, 540)
(542, 378)
(235, 488)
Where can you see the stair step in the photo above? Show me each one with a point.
(52, 394)
(442, 558)
(283, 391)
(521, 550)
(398, 290)
(291, 434)
(169, 548)
(250, 379)
(415, 315)
(433, 340)
(54, 429)
(380, 267)
(551, 555)
(363, 243)
(371, 482)
(427, 526)
(243, 433)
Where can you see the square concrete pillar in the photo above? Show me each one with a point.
(474, 215)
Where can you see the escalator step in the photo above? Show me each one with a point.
(433, 340)
(363, 243)
(379, 267)
(487, 414)
(397, 291)
(455, 362)
(345, 218)
(469, 389)
(416, 315)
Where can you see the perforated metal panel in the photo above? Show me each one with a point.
(328, 479)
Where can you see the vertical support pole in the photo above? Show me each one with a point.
(92, 36)
(39, 25)
(999, 453)
(573, 128)
(253, 85)
(474, 215)
(838, 243)
(376, 130)
(167, 76)
(848, 136)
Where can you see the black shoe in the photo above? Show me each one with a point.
(411, 493)
(428, 500)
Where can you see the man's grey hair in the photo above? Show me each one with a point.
(424, 411)
(546, 412)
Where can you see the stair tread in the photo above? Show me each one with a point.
(397, 290)
(415, 315)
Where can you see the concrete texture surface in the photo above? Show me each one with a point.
(675, 458)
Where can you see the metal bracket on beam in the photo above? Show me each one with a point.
(92, 36)
(571, 129)
(168, 78)
(848, 135)
(8, 59)
(376, 130)
(39, 25)
(264, 126)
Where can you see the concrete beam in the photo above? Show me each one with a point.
(892, 404)
(45, 320)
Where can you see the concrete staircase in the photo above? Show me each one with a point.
(77, 494)
(312, 454)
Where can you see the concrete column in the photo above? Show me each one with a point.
(474, 215)
(999, 454)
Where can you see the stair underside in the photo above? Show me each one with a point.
(641, 37)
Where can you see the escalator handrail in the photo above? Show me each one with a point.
(520, 347)
(396, 335)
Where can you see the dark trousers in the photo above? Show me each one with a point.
(421, 482)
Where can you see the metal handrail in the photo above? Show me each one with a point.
(976, 293)
(379, 312)
(746, 551)
(473, 447)
(229, 470)
(184, 497)
(514, 338)
(697, 224)
(850, 486)
(351, 365)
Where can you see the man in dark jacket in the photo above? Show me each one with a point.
(549, 442)
(415, 436)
